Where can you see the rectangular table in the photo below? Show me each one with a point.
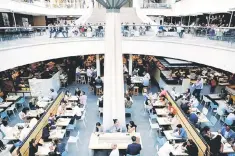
(104, 141)
(68, 113)
(5, 104)
(73, 98)
(57, 134)
(137, 79)
(42, 104)
(178, 150)
(12, 98)
(63, 122)
(161, 111)
(164, 121)
(202, 118)
(34, 113)
(214, 96)
(159, 104)
(44, 149)
(169, 135)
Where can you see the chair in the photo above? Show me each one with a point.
(1, 100)
(228, 122)
(71, 127)
(74, 139)
(83, 79)
(159, 143)
(5, 115)
(129, 111)
(136, 91)
(83, 118)
(204, 110)
(213, 121)
(213, 106)
(88, 79)
(153, 126)
(98, 90)
(221, 115)
(90, 89)
(12, 108)
(206, 100)
(21, 101)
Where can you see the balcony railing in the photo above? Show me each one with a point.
(208, 36)
(55, 4)
(156, 5)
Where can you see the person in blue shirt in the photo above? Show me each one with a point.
(193, 118)
(226, 132)
(181, 133)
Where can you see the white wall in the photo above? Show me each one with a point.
(220, 58)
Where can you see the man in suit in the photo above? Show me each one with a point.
(134, 148)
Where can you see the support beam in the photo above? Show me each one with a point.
(114, 107)
(98, 64)
(188, 20)
(14, 19)
(171, 19)
(230, 19)
(130, 64)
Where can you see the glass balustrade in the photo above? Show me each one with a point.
(21, 36)
(74, 4)
(207, 36)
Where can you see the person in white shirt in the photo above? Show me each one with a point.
(89, 72)
(61, 109)
(53, 94)
(166, 149)
(147, 76)
(78, 113)
(78, 70)
(115, 151)
(231, 117)
(4, 127)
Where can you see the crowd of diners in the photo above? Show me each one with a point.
(16, 79)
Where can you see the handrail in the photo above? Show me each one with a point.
(36, 132)
(192, 132)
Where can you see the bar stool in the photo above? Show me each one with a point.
(88, 79)
(83, 79)
(98, 90)
(136, 91)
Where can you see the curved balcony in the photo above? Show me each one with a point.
(197, 45)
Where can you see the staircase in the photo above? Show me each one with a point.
(128, 15)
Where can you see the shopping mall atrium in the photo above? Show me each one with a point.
(117, 77)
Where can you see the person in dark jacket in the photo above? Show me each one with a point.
(191, 148)
(134, 148)
(46, 133)
(33, 147)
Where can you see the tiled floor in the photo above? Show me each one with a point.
(92, 117)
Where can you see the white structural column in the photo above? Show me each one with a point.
(130, 64)
(98, 64)
(113, 72)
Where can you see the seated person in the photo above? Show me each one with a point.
(78, 112)
(99, 82)
(134, 148)
(187, 94)
(77, 92)
(4, 127)
(61, 109)
(33, 147)
(193, 117)
(98, 127)
(46, 133)
(166, 149)
(83, 98)
(179, 132)
(226, 132)
(131, 127)
(171, 109)
(24, 133)
(53, 94)
(163, 92)
(231, 117)
(128, 102)
(23, 114)
(116, 127)
(59, 147)
(206, 134)
(52, 120)
(191, 148)
(185, 107)
(115, 151)
(148, 104)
